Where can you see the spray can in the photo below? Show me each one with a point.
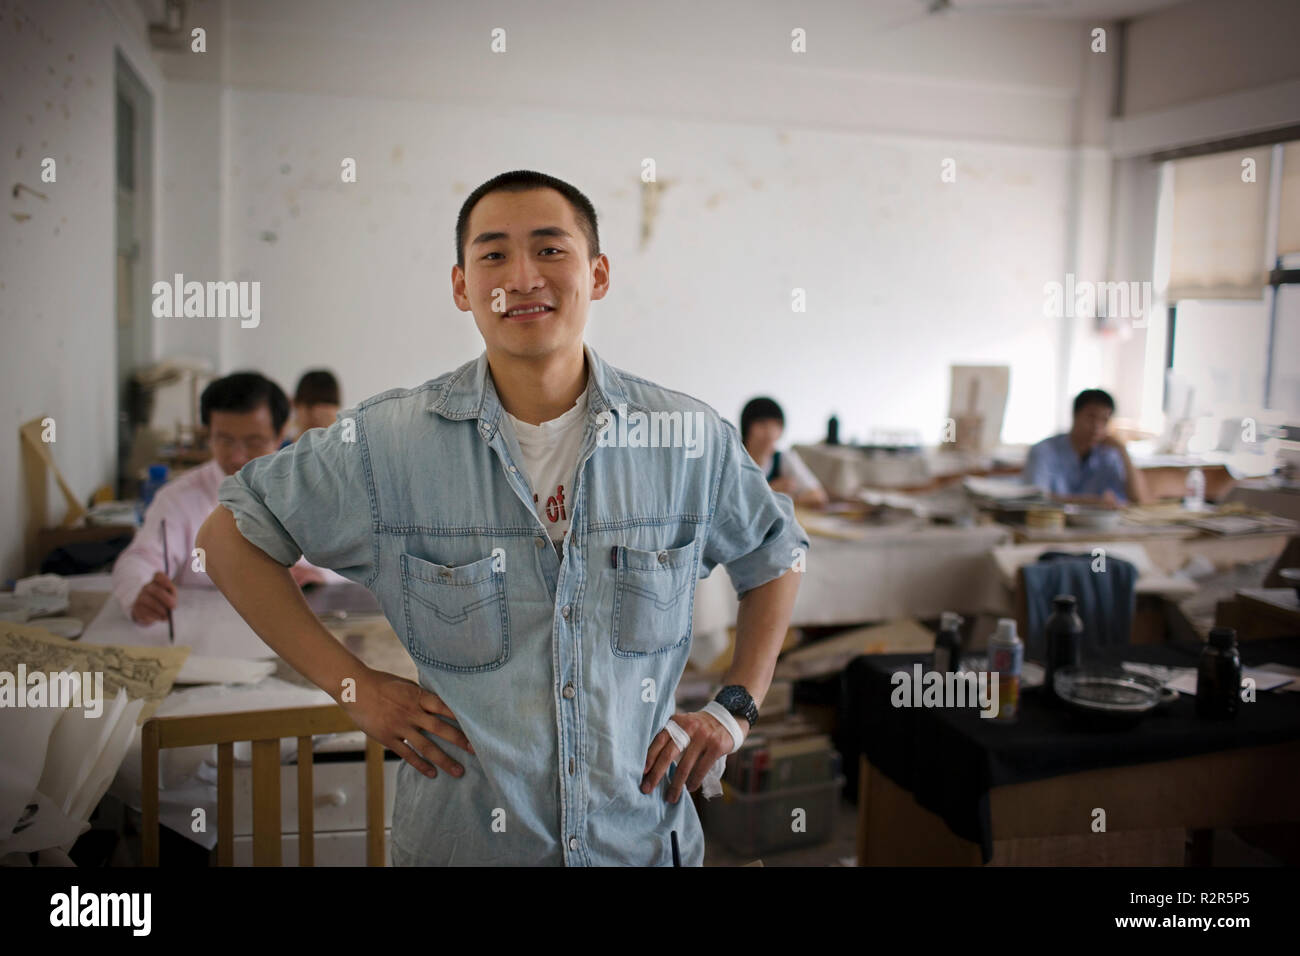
(1006, 657)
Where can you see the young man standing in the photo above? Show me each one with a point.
(533, 524)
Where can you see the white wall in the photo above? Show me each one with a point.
(56, 269)
(904, 274)
(818, 171)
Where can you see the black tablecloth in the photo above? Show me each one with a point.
(950, 758)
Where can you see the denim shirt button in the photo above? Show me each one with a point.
(570, 691)
(565, 611)
(573, 843)
(663, 556)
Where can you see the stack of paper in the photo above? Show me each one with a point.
(68, 713)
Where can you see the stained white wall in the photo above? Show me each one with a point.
(904, 274)
(57, 267)
(819, 172)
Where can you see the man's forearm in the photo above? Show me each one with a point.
(1135, 483)
(761, 626)
(264, 593)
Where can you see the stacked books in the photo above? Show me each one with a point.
(783, 755)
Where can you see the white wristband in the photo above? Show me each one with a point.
(727, 720)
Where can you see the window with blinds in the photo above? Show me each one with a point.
(1220, 225)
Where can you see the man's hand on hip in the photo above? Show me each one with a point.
(709, 740)
(395, 711)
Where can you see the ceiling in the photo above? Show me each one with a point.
(887, 9)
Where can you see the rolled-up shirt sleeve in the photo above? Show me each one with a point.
(310, 499)
(753, 532)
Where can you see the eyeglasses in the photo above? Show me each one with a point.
(253, 446)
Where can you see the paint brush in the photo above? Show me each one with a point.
(171, 632)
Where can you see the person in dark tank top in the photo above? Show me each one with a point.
(761, 425)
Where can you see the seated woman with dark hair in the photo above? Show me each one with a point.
(761, 425)
(316, 402)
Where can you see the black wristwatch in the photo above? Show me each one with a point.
(736, 701)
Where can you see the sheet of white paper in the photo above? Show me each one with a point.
(1264, 680)
(1283, 670)
(203, 620)
(223, 670)
(101, 775)
(75, 745)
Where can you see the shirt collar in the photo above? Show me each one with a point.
(470, 393)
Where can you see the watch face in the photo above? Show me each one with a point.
(734, 699)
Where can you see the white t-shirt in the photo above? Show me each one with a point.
(550, 453)
(792, 466)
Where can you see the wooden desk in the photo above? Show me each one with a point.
(1168, 547)
(1149, 807)
(1170, 481)
(1261, 613)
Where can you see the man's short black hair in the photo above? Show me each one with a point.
(244, 392)
(317, 387)
(759, 410)
(524, 180)
(1093, 396)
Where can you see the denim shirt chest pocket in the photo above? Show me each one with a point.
(652, 599)
(456, 618)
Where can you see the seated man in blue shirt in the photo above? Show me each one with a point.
(1086, 464)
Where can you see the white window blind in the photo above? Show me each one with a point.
(1288, 224)
(1219, 226)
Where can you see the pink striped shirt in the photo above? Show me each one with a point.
(186, 503)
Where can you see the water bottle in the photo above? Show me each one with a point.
(833, 431)
(1194, 499)
(157, 478)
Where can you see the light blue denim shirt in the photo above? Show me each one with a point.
(560, 667)
(1055, 466)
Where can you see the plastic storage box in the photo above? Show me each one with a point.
(756, 823)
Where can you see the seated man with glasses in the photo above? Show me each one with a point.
(245, 414)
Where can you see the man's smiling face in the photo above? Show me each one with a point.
(528, 244)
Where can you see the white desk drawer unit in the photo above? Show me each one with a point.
(338, 817)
